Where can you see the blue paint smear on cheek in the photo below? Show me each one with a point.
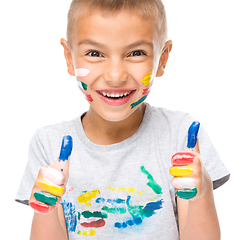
(70, 216)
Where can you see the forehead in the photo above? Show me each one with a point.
(123, 27)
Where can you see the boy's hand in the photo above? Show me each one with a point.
(191, 179)
(51, 181)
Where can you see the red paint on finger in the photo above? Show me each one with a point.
(40, 207)
(183, 158)
(94, 224)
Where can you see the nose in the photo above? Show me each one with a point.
(115, 74)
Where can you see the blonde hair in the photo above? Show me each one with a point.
(145, 8)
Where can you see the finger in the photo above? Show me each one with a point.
(46, 198)
(40, 207)
(183, 171)
(62, 163)
(186, 193)
(183, 183)
(50, 187)
(53, 175)
(192, 143)
(66, 148)
(182, 158)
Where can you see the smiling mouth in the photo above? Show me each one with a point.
(115, 95)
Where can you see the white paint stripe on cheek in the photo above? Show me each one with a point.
(184, 182)
(81, 72)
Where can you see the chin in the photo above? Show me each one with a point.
(116, 116)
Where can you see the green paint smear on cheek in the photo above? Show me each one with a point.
(139, 101)
(46, 198)
(152, 184)
(187, 193)
(82, 85)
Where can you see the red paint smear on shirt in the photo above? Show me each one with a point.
(89, 98)
(40, 207)
(183, 158)
(95, 224)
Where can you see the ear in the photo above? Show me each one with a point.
(164, 58)
(68, 57)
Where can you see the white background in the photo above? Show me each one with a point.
(204, 76)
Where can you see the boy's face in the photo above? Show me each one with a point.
(115, 60)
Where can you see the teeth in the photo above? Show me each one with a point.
(117, 95)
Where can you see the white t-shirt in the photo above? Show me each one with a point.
(123, 190)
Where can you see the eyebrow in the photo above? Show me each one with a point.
(133, 45)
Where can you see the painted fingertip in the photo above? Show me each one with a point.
(66, 148)
(192, 134)
(51, 188)
(183, 158)
(46, 198)
(39, 207)
(186, 193)
(183, 183)
(184, 171)
(53, 175)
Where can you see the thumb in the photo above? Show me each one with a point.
(192, 141)
(66, 149)
(62, 163)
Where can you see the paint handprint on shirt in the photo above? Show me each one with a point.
(128, 209)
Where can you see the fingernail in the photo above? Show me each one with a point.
(192, 134)
(66, 148)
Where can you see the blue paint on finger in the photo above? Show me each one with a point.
(66, 148)
(192, 134)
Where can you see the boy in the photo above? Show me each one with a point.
(112, 178)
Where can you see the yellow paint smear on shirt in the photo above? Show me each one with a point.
(49, 187)
(88, 196)
(185, 171)
(92, 232)
(146, 79)
(129, 190)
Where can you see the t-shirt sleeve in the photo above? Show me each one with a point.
(209, 156)
(37, 158)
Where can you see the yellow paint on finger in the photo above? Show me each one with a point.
(51, 188)
(184, 171)
(146, 79)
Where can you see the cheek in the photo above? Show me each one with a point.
(80, 73)
(146, 83)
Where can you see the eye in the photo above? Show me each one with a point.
(137, 53)
(94, 54)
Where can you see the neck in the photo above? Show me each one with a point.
(103, 132)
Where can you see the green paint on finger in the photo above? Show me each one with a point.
(186, 193)
(46, 198)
